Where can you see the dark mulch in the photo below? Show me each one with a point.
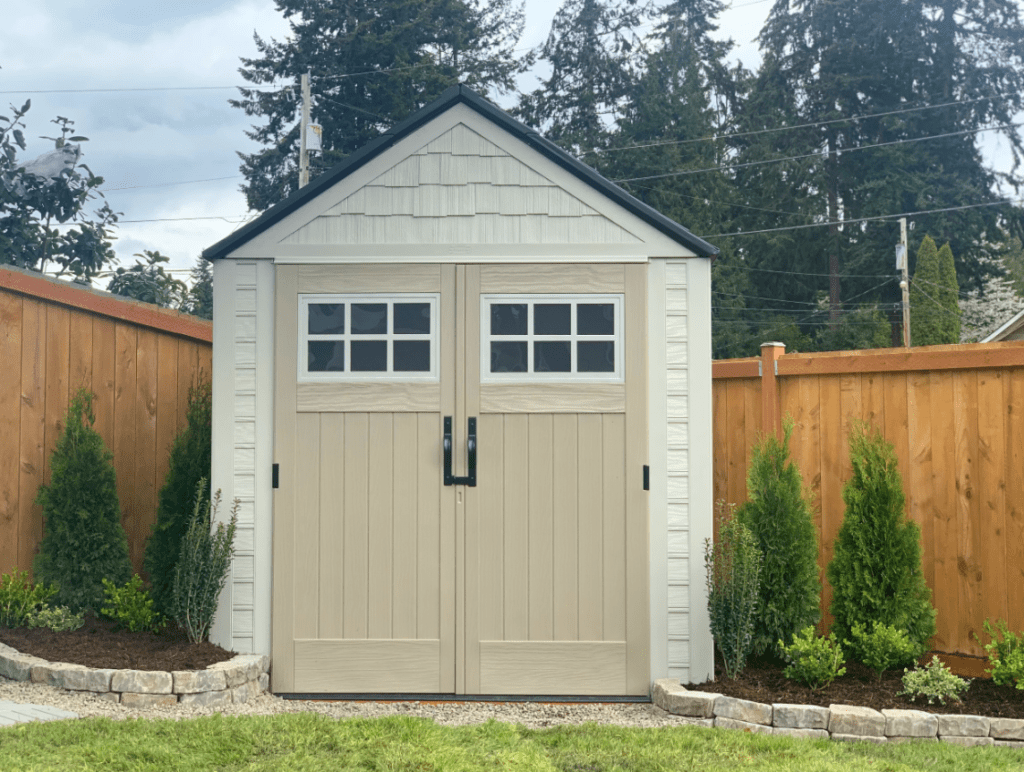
(763, 681)
(99, 644)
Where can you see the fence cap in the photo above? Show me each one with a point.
(774, 343)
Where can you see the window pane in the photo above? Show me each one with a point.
(595, 356)
(508, 319)
(508, 357)
(551, 357)
(326, 356)
(412, 356)
(595, 319)
(412, 318)
(369, 356)
(552, 319)
(369, 319)
(326, 318)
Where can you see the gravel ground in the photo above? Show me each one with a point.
(530, 714)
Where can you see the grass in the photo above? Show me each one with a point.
(314, 743)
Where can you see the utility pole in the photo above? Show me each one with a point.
(903, 262)
(303, 152)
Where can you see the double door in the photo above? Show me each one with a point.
(460, 505)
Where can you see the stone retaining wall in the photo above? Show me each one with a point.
(837, 722)
(238, 679)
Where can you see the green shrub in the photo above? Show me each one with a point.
(1005, 654)
(131, 607)
(83, 541)
(203, 565)
(733, 564)
(814, 661)
(58, 619)
(876, 573)
(19, 598)
(779, 517)
(884, 648)
(189, 463)
(934, 682)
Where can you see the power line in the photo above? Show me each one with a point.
(169, 184)
(130, 90)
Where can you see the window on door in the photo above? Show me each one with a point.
(367, 337)
(531, 338)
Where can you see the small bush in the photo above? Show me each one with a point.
(813, 661)
(934, 682)
(1005, 654)
(131, 607)
(203, 565)
(884, 648)
(59, 619)
(733, 566)
(19, 598)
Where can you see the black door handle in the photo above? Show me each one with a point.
(449, 478)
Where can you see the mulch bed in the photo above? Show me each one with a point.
(763, 681)
(99, 644)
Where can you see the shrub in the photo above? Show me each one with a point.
(876, 573)
(203, 565)
(733, 564)
(83, 541)
(19, 598)
(1005, 654)
(130, 606)
(884, 648)
(59, 619)
(813, 661)
(189, 463)
(934, 682)
(779, 517)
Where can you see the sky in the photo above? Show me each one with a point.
(149, 84)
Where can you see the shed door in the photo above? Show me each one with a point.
(531, 581)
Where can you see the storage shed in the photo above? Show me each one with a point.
(462, 393)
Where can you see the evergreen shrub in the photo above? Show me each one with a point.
(733, 564)
(814, 661)
(59, 619)
(189, 463)
(876, 573)
(131, 607)
(1005, 654)
(83, 541)
(203, 565)
(884, 648)
(19, 598)
(934, 682)
(779, 517)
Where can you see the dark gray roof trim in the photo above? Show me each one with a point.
(453, 96)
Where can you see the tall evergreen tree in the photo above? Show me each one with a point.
(934, 297)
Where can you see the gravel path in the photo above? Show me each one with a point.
(530, 714)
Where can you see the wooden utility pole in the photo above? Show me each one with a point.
(904, 263)
(303, 152)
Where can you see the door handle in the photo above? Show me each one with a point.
(449, 478)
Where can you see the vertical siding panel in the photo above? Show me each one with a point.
(308, 549)
(991, 497)
(144, 514)
(591, 570)
(516, 528)
(566, 532)
(356, 569)
(490, 550)
(541, 532)
(11, 335)
(80, 352)
(833, 451)
(1015, 499)
(945, 516)
(968, 496)
(920, 480)
(379, 528)
(331, 537)
(613, 475)
(406, 537)
(104, 356)
(58, 328)
(428, 528)
(33, 428)
(126, 347)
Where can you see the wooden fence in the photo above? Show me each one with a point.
(140, 361)
(955, 415)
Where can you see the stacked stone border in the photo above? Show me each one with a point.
(236, 680)
(836, 722)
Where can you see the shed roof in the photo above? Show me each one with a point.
(460, 95)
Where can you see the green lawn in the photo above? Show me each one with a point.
(315, 743)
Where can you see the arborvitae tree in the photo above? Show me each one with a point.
(876, 573)
(779, 516)
(199, 298)
(189, 463)
(83, 541)
(934, 297)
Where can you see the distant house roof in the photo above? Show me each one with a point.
(454, 96)
(1012, 329)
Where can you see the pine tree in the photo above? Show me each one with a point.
(83, 541)
(199, 298)
(934, 297)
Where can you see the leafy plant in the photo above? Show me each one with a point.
(19, 598)
(779, 517)
(59, 619)
(1005, 654)
(884, 648)
(83, 541)
(131, 607)
(203, 565)
(814, 661)
(876, 572)
(733, 564)
(934, 682)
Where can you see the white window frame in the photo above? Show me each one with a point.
(348, 376)
(486, 376)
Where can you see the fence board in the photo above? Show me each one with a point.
(1015, 499)
(33, 429)
(144, 492)
(10, 427)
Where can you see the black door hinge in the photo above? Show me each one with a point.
(647, 477)
(275, 475)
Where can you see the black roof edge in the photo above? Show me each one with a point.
(460, 94)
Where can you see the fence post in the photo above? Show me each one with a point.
(771, 403)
